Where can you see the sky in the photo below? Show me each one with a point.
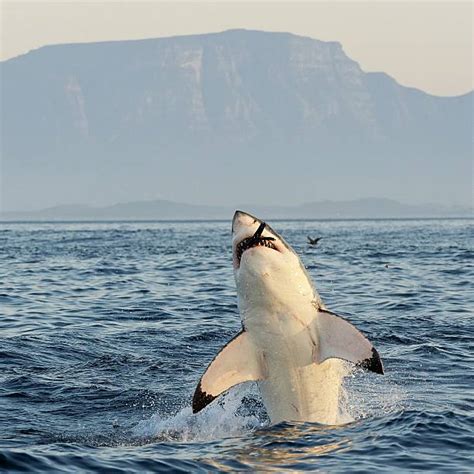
(423, 44)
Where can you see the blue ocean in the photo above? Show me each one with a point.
(106, 328)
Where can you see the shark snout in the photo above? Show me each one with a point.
(243, 220)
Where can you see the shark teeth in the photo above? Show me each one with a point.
(251, 242)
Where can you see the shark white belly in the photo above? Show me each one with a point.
(290, 343)
(293, 386)
(309, 393)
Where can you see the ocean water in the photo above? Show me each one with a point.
(105, 329)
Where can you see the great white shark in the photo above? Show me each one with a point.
(290, 343)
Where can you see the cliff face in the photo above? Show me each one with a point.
(208, 105)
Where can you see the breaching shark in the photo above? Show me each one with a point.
(290, 342)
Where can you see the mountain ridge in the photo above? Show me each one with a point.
(231, 30)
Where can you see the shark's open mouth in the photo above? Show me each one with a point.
(255, 241)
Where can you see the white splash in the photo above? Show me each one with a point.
(219, 420)
(365, 395)
(360, 396)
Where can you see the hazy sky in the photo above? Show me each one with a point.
(425, 44)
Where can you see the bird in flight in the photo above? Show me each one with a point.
(313, 241)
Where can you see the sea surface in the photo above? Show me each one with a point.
(106, 328)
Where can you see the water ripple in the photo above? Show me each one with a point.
(106, 328)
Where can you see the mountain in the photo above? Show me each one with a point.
(221, 118)
(167, 210)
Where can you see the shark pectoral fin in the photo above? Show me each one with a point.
(237, 362)
(341, 340)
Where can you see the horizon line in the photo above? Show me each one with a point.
(224, 207)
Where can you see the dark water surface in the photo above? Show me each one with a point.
(105, 328)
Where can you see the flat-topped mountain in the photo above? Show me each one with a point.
(228, 117)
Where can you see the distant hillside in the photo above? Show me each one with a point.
(238, 115)
(166, 210)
